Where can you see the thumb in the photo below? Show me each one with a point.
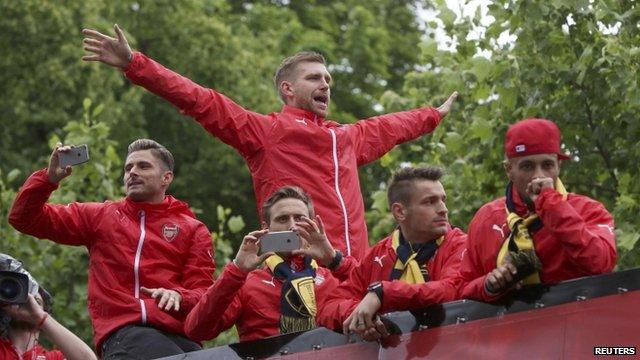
(146, 290)
(264, 257)
(119, 33)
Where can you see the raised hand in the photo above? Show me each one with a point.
(111, 51)
(166, 298)
(317, 244)
(54, 172)
(536, 185)
(247, 258)
(446, 106)
(30, 313)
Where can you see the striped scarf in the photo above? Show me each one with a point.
(409, 258)
(297, 298)
(519, 244)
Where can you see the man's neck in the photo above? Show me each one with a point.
(412, 237)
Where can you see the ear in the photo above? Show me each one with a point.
(286, 89)
(399, 212)
(167, 178)
(507, 168)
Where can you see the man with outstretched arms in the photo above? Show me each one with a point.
(538, 232)
(416, 266)
(150, 259)
(296, 146)
(284, 295)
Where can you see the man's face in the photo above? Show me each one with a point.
(309, 90)
(285, 213)
(522, 170)
(426, 214)
(145, 178)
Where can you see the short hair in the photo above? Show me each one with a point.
(288, 67)
(286, 192)
(401, 185)
(159, 151)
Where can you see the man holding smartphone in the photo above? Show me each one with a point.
(150, 259)
(416, 266)
(284, 295)
(297, 146)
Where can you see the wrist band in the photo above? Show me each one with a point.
(41, 322)
(336, 261)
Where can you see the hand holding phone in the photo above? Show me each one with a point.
(279, 241)
(74, 156)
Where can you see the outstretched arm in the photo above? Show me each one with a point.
(220, 116)
(374, 137)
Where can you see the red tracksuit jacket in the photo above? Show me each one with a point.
(377, 265)
(130, 245)
(577, 239)
(251, 302)
(294, 147)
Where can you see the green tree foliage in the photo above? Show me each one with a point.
(575, 62)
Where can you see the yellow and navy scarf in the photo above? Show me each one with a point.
(297, 298)
(521, 231)
(410, 258)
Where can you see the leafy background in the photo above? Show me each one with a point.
(575, 62)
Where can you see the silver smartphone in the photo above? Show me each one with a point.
(74, 156)
(279, 241)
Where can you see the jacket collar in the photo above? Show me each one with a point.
(308, 115)
(169, 204)
(521, 207)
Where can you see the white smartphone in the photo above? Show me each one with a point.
(74, 156)
(279, 241)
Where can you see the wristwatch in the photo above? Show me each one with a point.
(376, 288)
(336, 261)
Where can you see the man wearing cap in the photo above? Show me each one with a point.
(538, 232)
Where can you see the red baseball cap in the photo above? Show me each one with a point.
(533, 136)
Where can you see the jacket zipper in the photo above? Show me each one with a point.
(337, 186)
(136, 268)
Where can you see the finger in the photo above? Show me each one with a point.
(371, 335)
(264, 257)
(368, 320)
(147, 290)
(92, 42)
(320, 224)
(303, 233)
(493, 283)
(91, 58)
(512, 268)
(176, 305)
(96, 35)
(163, 299)
(93, 49)
(381, 328)
(347, 324)
(120, 34)
(452, 98)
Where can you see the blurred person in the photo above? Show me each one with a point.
(150, 259)
(538, 232)
(414, 267)
(297, 146)
(21, 325)
(284, 295)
